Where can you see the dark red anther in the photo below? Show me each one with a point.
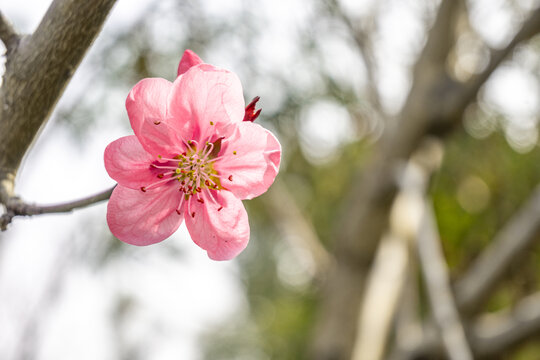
(230, 177)
(220, 208)
(157, 122)
(201, 201)
(207, 183)
(143, 189)
(198, 189)
(160, 176)
(193, 214)
(189, 187)
(178, 212)
(251, 114)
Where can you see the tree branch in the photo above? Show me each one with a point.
(441, 299)
(494, 334)
(513, 240)
(17, 207)
(8, 35)
(491, 334)
(37, 71)
(363, 44)
(365, 213)
(530, 28)
(287, 215)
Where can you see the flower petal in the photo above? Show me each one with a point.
(188, 60)
(160, 139)
(143, 218)
(147, 102)
(250, 160)
(222, 233)
(128, 163)
(207, 98)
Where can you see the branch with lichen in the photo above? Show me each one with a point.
(17, 207)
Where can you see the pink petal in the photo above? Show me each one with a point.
(208, 98)
(147, 104)
(143, 218)
(160, 139)
(224, 233)
(128, 163)
(253, 168)
(188, 60)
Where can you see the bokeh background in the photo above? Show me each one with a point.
(70, 290)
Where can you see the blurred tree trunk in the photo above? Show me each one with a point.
(435, 105)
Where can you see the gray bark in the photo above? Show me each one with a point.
(38, 68)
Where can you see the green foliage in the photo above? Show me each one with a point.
(509, 178)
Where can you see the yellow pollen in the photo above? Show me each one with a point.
(234, 152)
(211, 123)
(177, 171)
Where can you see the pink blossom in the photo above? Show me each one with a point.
(192, 157)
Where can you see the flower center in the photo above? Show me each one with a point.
(193, 172)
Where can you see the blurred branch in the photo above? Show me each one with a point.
(395, 258)
(384, 293)
(441, 299)
(494, 334)
(435, 100)
(365, 213)
(8, 35)
(510, 243)
(491, 334)
(363, 43)
(36, 74)
(285, 211)
(530, 28)
(17, 207)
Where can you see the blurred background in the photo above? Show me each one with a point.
(335, 77)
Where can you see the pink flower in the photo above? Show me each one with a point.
(192, 157)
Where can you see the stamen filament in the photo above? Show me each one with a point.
(153, 185)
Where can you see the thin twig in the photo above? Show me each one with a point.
(8, 35)
(17, 207)
(514, 239)
(435, 272)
